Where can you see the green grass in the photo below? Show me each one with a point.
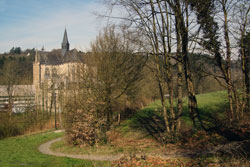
(210, 105)
(22, 152)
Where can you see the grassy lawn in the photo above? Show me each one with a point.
(208, 102)
(22, 152)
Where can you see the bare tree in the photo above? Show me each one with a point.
(113, 70)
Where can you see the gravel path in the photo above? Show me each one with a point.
(45, 149)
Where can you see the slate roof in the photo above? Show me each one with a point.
(56, 58)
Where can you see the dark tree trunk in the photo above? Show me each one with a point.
(182, 32)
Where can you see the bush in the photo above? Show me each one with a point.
(80, 127)
(83, 124)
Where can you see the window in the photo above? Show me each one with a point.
(54, 72)
(47, 72)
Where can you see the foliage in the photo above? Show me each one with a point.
(81, 124)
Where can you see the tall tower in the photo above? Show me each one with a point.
(37, 76)
(37, 70)
(65, 43)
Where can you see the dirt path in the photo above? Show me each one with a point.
(45, 149)
(172, 153)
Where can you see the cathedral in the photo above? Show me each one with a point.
(54, 73)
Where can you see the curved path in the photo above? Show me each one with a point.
(45, 149)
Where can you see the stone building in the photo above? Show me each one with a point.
(53, 73)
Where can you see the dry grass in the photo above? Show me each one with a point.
(41, 127)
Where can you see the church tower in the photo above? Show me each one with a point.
(37, 70)
(65, 43)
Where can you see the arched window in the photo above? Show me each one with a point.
(47, 72)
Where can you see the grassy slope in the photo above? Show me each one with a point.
(22, 151)
(210, 104)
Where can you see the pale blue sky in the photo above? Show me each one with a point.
(34, 23)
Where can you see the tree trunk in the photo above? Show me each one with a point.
(119, 118)
(231, 94)
(158, 63)
(169, 79)
(164, 109)
(230, 99)
(247, 84)
(55, 113)
(180, 71)
(245, 65)
(109, 114)
(51, 103)
(182, 32)
(179, 95)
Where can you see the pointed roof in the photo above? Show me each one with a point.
(65, 37)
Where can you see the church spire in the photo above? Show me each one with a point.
(36, 56)
(65, 43)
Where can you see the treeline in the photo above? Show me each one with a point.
(19, 50)
(17, 67)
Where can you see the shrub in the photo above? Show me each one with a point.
(83, 124)
(21, 123)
